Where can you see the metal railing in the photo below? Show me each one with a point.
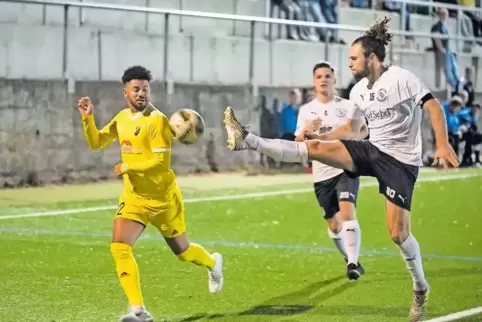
(253, 20)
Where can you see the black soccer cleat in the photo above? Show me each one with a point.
(352, 272)
(361, 270)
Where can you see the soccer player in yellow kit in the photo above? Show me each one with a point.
(150, 194)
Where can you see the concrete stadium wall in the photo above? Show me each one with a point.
(42, 140)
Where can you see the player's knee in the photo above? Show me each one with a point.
(334, 225)
(120, 250)
(347, 215)
(315, 147)
(399, 237)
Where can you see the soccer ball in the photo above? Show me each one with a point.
(187, 126)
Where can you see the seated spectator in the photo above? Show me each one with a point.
(453, 124)
(293, 12)
(330, 13)
(314, 9)
(468, 118)
(465, 84)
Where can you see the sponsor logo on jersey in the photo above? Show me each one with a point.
(380, 114)
(126, 147)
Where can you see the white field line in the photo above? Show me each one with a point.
(66, 212)
(458, 315)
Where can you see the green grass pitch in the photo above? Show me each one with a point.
(280, 264)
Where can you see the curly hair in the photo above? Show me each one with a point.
(136, 72)
(375, 39)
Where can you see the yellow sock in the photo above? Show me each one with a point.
(127, 272)
(196, 254)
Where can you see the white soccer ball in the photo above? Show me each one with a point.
(187, 126)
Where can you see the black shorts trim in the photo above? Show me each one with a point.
(396, 180)
(330, 192)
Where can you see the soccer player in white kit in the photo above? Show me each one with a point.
(392, 99)
(335, 191)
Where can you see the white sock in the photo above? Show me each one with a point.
(338, 240)
(280, 150)
(137, 308)
(411, 254)
(352, 240)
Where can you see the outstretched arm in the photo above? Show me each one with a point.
(98, 139)
(95, 139)
(444, 151)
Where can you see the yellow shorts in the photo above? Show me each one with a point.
(166, 215)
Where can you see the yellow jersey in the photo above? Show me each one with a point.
(145, 140)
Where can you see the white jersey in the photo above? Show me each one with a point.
(332, 114)
(393, 110)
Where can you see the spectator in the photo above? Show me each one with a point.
(314, 9)
(289, 116)
(293, 12)
(330, 13)
(474, 18)
(358, 4)
(395, 6)
(468, 118)
(465, 84)
(268, 130)
(444, 58)
(453, 125)
(307, 95)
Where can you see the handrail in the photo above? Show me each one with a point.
(212, 15)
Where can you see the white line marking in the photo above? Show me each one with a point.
(66, 212)
(458, 315)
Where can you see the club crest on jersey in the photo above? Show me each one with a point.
(382, 95)
(340, 112)
(138, 129)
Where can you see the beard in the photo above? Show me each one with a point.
(139, 106)
(364, 73)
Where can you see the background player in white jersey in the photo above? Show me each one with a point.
(335, 191)
(391, 98)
